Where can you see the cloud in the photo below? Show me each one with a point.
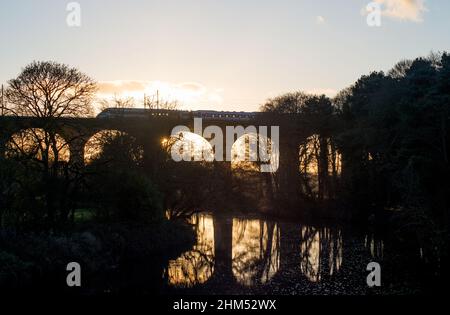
(405, 10)
(119, 86)
(192, 87)
(320, 20)
(188, 94)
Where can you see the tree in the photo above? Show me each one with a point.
(395, 140)
(290, 103)
(154, 102)
(314, 120)
(117, 102)
(400, 69)
(49, 90)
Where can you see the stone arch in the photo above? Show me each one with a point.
(319, 165)
(246, 153)
(4, 138)
(36, 143)
(94, 145)
(188, 146)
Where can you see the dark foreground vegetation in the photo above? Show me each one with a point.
(378, 158)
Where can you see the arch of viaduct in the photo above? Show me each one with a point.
(149, 132)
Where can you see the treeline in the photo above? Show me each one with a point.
(391, 131)
(395, 141)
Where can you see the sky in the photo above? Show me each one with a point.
(220, 54)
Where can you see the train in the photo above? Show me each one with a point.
(144, 113)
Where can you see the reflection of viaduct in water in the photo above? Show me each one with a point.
(149, 132)
(255, 252)
(312, 252)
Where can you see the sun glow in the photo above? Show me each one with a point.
(189, 146)
(186, 94)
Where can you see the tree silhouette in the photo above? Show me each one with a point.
(49, 90)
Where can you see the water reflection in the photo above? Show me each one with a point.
(255, 251)
(251, 252)
(321, 252)
(375, 245)
(197, 265)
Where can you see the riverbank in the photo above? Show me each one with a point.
(105, 252)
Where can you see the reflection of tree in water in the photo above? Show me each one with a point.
(255, 251)
(321, 252)
(245, 251)
(197, 265)
(375, 245)
(242, 253)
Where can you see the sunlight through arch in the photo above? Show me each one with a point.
(37, 143)
(188, 146)
(246, 153)
(319, 162)
(109, 140)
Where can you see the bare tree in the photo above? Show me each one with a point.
(50, 90)
(117, 102)
(154, 102)
(2, 101)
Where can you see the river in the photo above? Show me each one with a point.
(243, 255)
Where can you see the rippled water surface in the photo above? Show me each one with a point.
(242, 255)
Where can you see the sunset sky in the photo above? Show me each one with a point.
(220, 54)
